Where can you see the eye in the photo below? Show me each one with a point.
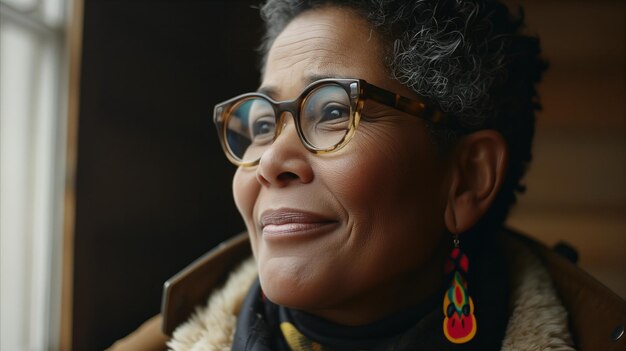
(334, 112)
(263, 128)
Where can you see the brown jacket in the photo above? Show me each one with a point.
(596, 314)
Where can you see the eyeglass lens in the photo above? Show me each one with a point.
(324, 120)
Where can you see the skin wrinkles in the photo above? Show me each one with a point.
(308, 79)
(317, 32)
(306, 52)
(308, 57)
(383, 189)
(293, 45)
(376, 121)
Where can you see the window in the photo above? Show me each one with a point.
(33, 91)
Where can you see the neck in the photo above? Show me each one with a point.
(392, 296)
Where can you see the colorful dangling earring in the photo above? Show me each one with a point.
(459, 324)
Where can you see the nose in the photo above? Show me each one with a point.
(286, 161)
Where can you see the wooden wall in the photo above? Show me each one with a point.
(577, 183)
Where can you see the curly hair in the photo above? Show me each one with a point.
(467, 56)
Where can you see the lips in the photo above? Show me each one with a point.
(288, 222)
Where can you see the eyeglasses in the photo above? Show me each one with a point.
(326, 115)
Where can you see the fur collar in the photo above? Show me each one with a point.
(212, 327)
(538, 319)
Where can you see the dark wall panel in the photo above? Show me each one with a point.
(153, 187)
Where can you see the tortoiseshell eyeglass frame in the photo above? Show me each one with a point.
(358, 90)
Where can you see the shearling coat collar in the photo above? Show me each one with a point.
(538, 319)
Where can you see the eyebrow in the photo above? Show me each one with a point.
(272, 91)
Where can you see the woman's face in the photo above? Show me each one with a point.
(357, 234)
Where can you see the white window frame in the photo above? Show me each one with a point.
(33, 148)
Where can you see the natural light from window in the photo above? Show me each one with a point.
(33, 94)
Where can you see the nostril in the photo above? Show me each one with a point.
(287, 176)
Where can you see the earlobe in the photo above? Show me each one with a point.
(477, 170)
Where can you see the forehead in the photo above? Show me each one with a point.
(325, 42)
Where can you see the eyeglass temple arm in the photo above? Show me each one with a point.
(413, 107)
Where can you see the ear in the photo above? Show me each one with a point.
(477, 170)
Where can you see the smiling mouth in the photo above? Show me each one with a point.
(290, 222)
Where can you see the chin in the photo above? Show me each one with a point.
(293, 284)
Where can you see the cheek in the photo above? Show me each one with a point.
(245, 191)
(390, 171)
(391, 189)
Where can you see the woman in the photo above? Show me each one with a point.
(376, 165)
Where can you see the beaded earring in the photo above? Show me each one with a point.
(459, 323)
